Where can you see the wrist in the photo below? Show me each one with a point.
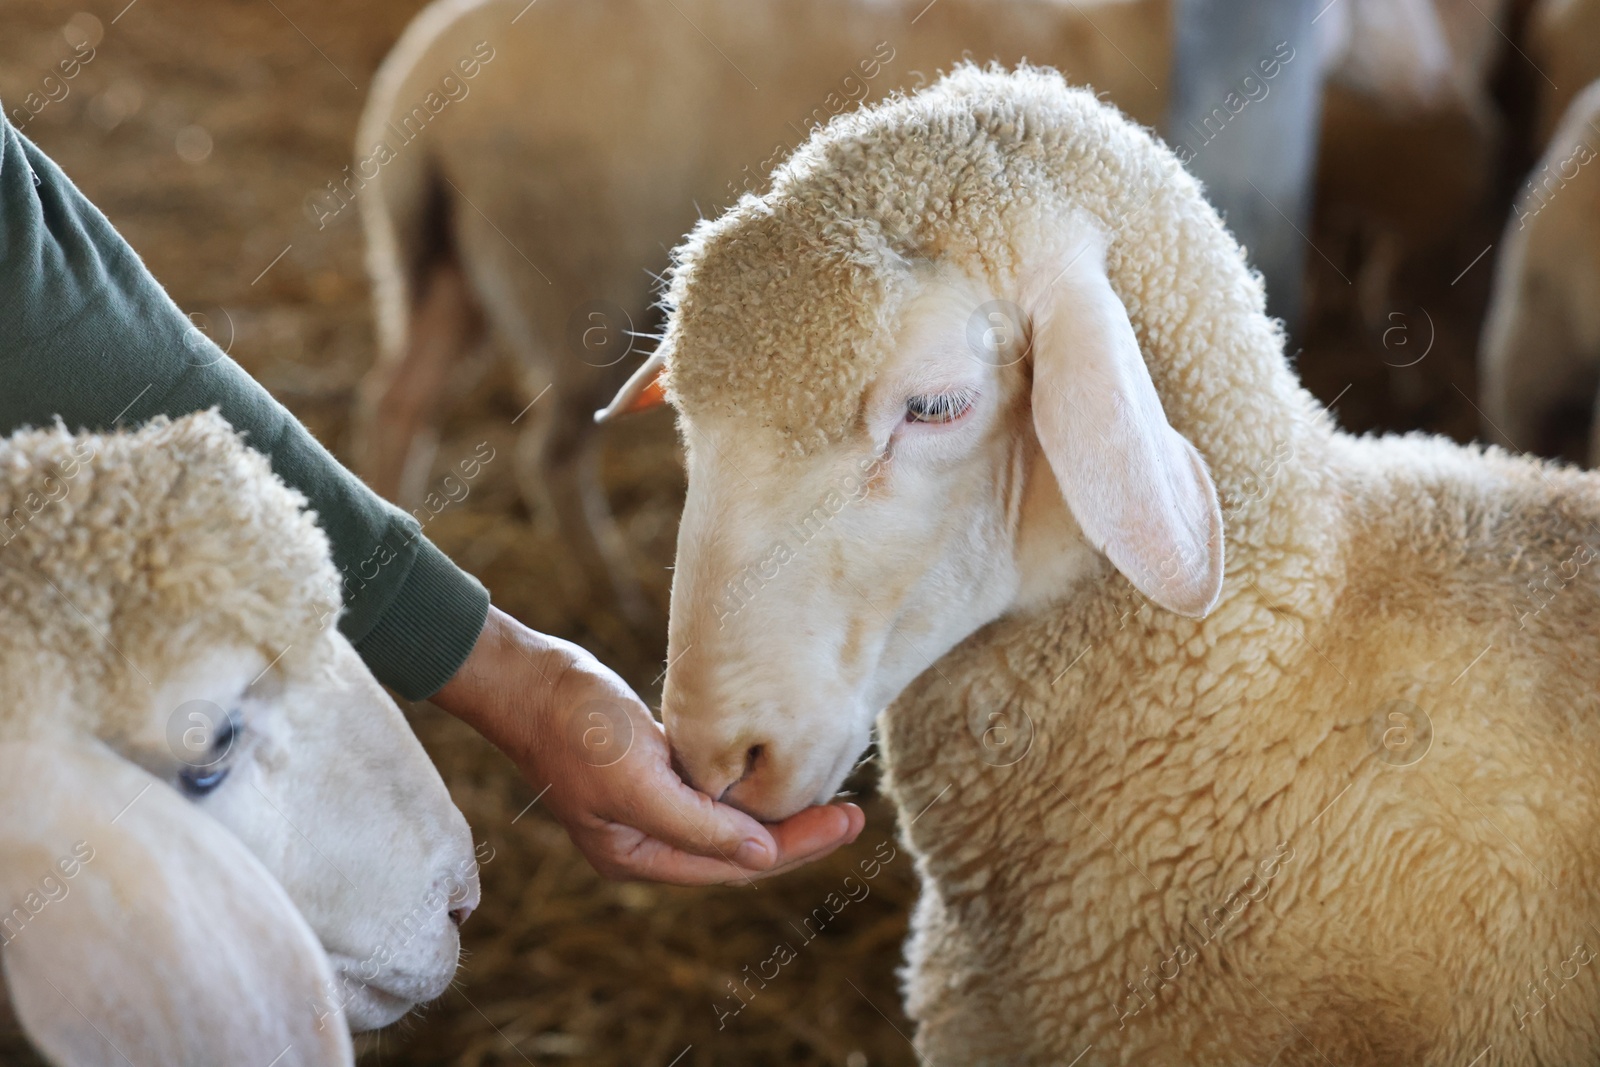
(506, 683)
(516, 680)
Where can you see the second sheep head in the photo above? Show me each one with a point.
(887, 451)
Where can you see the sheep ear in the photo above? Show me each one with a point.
(642, 391)
(135, 929)
(1138, 489)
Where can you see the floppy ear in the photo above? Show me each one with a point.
(642, 391)
(135, 929)
(1138, 489)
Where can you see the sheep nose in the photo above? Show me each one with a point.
(736, 766)
(749, 761)
(462, 902)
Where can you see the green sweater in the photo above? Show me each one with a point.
(88, 336)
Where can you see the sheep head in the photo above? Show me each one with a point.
(927, 380)
(167, 598)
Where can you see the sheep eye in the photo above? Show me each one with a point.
(197, 783)
(939, 407)
(201, 777)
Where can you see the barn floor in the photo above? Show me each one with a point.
(200, 127)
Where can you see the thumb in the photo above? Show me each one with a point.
(687, 819)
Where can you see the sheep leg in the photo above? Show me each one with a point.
(608, 539)
(400, 398)
(1536, 378)
(556, 457)
(1262, 181)
(1594, 434)
(558, 469)
(1376, 282)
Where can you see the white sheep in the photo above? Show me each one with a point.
(1411, 136)
(169, 614)
(1563, 43)
(972, 400)
(521, 167)
(1539, 363)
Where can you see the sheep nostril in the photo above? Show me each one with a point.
(751, 759)
(459, 915)
(730, 777)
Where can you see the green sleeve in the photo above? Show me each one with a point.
(87, 335)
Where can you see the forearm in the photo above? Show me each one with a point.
(89, 337)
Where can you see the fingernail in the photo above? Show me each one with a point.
(753, 853)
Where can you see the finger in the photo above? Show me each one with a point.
(624, 854)
(800, 854)
(815, 832)
(802, 838)
(689, 821)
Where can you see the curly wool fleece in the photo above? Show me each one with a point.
(785, 306)
(118, 552)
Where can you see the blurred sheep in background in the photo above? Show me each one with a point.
(540, 210)
(1540, 363)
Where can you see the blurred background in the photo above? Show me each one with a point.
(207, 129)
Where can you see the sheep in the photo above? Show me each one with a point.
(169, 613)
(540, 220)
(1404, 163)
(1217, 735)
(1564, 46)
(1539, 360)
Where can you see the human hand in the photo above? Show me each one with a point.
(576, 730)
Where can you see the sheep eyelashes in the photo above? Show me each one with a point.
(940, 407)
(180, 716)
(1178, 696)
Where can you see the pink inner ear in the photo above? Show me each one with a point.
(1138, 489)
(653, 395)
(641, 392)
